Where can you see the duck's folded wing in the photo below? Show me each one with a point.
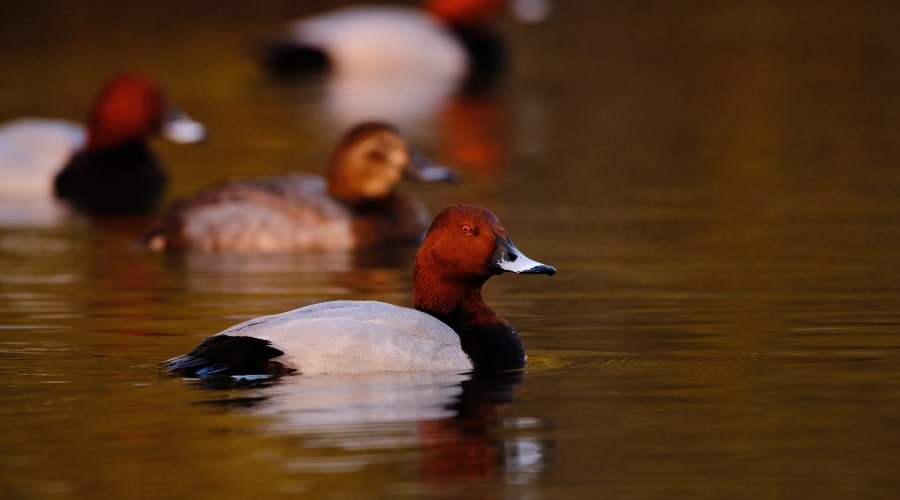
(267, 214)
(357, 336)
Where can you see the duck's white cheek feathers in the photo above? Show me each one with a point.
(356, 337)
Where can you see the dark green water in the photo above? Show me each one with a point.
(717, 183)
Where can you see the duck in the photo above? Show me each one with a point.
(104, 167)
(450, 327)
(354, 206)
(447, 39)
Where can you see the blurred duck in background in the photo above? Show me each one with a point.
(103, 168)
(354, 206)
(452, 40)
(411, 66)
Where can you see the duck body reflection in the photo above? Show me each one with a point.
(454, 422)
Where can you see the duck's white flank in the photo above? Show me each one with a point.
(358, 336)
(33, 151)
(384, 39)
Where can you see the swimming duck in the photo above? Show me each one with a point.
(451, 328)
(452, 39)
(354, 206)
(105, 167)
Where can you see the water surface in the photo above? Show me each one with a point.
(716, 182)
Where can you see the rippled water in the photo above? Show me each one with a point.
(717, 183)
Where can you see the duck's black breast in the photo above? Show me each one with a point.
(494, 348)
(119, 180)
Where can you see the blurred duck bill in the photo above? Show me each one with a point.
(181, 128)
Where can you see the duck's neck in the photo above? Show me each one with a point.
(488, 339)
(454, 303)
(355, 188)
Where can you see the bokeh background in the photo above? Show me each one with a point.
(718, 183)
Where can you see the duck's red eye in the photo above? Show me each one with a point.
(466, 229)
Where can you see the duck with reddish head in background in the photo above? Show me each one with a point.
(450, 329)
(452, 39)
(354, 206)
(116, 172)
(105, 167)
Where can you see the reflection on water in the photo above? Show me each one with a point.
(451, 425)
(405, 100)
(470, 129)
(33, 213)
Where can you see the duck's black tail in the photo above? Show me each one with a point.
(226, 356)
(286, 58)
